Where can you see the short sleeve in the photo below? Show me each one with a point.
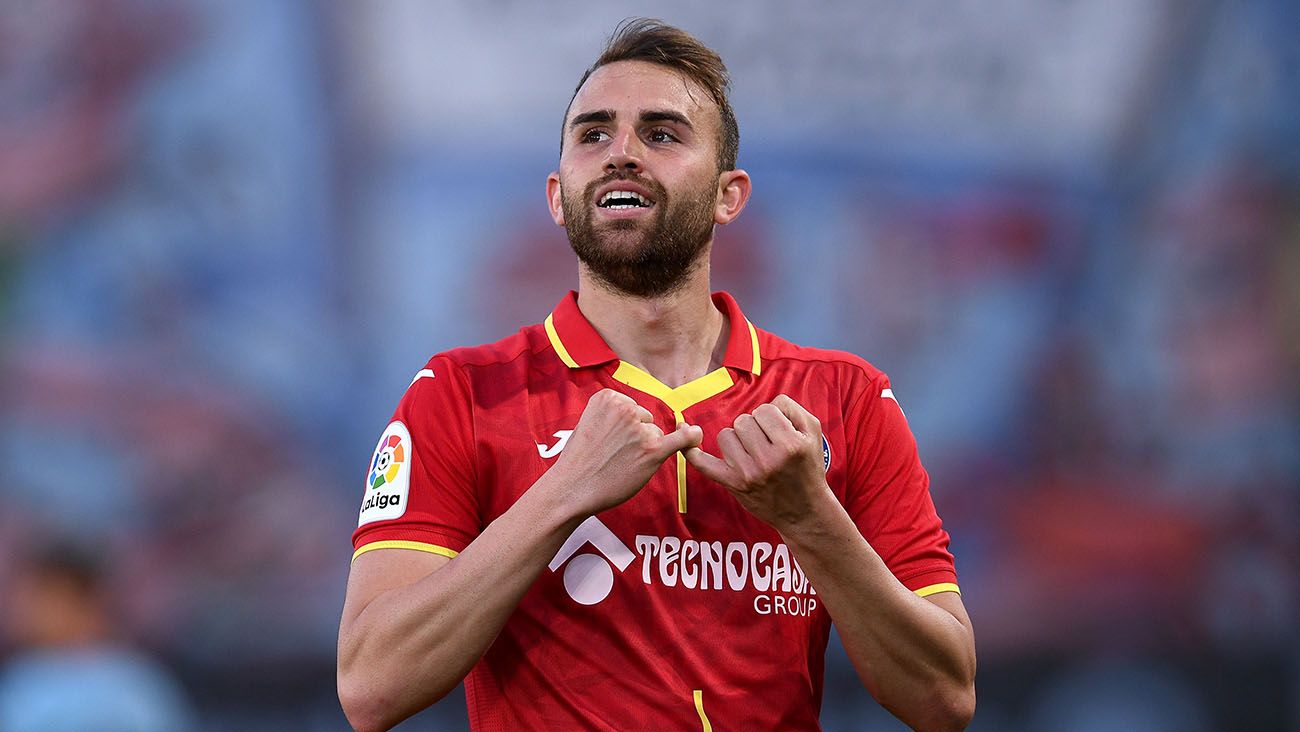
(888, 495)
(419, 490)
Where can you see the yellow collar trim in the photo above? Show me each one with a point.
(554, 337)
(753, 344)
(683, 397)
(560, 350)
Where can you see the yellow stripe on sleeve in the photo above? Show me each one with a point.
(936, 589)
(414, 545)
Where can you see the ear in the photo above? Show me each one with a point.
(733, 193)
(554, 199)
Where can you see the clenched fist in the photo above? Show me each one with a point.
(614, 450)
(771, 462)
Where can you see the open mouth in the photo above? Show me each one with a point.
(624, 200)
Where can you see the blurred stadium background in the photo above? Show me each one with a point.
(231, 231)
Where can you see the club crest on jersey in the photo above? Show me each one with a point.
(826, 454)
(389, 479)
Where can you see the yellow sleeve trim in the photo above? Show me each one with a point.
(416, 545)
(936, 589)
(699, 709)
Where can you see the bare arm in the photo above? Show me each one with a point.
(915, 655)
(414, 623)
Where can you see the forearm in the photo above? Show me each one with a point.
(411, 645)
(915, 657)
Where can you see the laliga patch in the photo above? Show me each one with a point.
(389, 479)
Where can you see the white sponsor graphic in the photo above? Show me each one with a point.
(550, 452)
(768, 570)
(389, 479)
(588, 579)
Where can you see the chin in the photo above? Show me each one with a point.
(622, 238)
(622, 225)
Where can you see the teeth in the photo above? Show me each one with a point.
(641, 200)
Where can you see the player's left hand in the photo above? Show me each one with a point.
(771, 462)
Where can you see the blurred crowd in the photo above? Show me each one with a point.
(221, 260)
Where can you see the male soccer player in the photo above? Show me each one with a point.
(645, 512)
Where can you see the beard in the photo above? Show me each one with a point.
(643, 263)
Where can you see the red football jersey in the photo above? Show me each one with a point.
(677, 609)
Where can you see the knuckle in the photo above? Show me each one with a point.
(613, 396)
(779, 459)
(646, 442)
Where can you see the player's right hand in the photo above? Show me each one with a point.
(614, 450)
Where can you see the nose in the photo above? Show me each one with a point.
(624, 152)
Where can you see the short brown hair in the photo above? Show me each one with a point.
(647, 39)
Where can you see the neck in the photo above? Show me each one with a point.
(676, 338)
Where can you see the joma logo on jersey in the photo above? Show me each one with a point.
(562, 439)
(768, 570)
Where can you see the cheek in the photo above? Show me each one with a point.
(571, 195)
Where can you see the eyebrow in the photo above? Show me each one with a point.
(606, 116)
(665, 115)
(600, 115)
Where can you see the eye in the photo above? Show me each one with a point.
(660, 134)
(594, 135)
